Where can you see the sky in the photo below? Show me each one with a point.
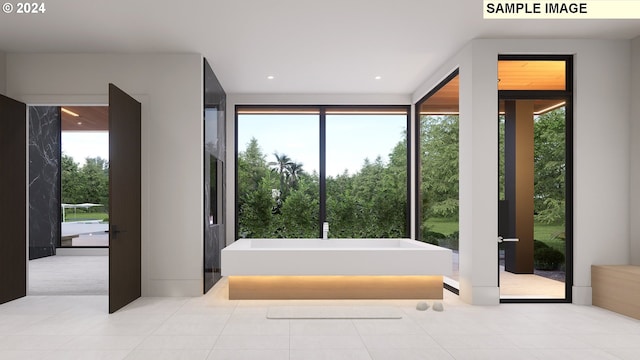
(82, 144)
(350, 138)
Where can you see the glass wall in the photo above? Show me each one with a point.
(298, 167)
(437, 200)
(366, 177)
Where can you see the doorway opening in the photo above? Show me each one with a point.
(34, 200)
(68, 200)
(85, 176)
(535, 171)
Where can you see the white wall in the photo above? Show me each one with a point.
(478, 166)
(601, 156)
(286, 99)
(169, 86)
(3, 72)
(634, 248)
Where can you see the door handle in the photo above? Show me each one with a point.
(115, 231)
(501, 239)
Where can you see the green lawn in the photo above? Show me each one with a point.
(543, 232)
(552, 235)
(80, 216)
(443, 225)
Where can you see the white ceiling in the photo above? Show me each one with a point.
(319, 46)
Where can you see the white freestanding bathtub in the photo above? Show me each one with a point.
(335, 269)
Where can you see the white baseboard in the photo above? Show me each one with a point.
(582, 295)
(172, 288)
(481, 295)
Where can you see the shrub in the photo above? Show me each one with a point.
(433, 237)
(537, 244)
(547, 258)
(451, 241)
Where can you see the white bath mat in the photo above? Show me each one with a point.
(333, 312)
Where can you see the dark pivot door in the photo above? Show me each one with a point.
(124, 199)
(13, 199)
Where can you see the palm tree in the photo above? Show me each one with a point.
(281, 167)
(293, 172)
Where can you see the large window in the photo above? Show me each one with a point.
(277, 173)
(299, 167)
(366, 173)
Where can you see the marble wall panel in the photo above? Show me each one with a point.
(44, 180)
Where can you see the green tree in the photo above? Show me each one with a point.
(252, 167)
(294, 172)
(378, 191)
(279, 199)
(397, 188)
(281, 167)
(254, 192)
(299, 215)
(550, 166)
(372, 202)
(71, 185)
(86, 184)
(439, 166)
(94, 175)
(255, 211)
(344, 212)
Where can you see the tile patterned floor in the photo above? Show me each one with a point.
(69, 275)
(212, 327)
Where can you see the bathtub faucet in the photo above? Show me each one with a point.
(325, 230)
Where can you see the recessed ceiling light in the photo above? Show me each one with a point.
(271, 77)
(69, 112)
(79, 122)
(378, 77)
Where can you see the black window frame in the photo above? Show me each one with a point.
(322, 112)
